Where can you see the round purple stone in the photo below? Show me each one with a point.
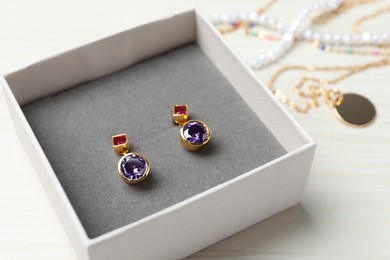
(195, 132)
(133, 166)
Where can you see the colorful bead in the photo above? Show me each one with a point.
(252, 33)
(348, 50)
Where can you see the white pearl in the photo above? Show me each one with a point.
(376, 38)
(308, 34)
(295, 22)
(317, 36)
(366, 37)
(224, 18)
(288, 37)
(292, 30)
(233, 17)
(346, 38)
(252, 16)
(270, 55)
(305, 11)
(289, 44)
(336, 38)
(261, 60)
(280, 26)
(253, 61)
(261, 19)
(327, 37)
(270, 22)
(243, 17)
(214, 18)
(301, 16)
(356, 39)
(385, 37)
(294, 25)
(282, 46)
(277, 50)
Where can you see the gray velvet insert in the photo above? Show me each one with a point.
(74, 128)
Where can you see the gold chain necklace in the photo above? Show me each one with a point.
(326, 16)
(358, 22)
(351, 108)
(264, 8)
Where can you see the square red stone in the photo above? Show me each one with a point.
(180, 110)
(119, 139)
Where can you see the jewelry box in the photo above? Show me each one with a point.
(66, 108)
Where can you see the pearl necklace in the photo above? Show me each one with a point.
(294, 32)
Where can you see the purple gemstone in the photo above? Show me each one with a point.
(133, 167)
(195, 132)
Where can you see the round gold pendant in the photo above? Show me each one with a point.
(132, 167)
(356, 110)
(194, 135)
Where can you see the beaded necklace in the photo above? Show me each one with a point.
(349, 107)
(292, 32)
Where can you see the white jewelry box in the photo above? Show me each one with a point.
(260, 193)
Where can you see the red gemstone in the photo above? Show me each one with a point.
(119, 139)
(180, 110)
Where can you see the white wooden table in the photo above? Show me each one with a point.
(346, 212)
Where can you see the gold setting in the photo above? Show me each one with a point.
(123, 149)
(190, 146)
(138, 180)
(120, 149)
(181, 120)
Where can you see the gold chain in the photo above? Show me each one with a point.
(318, 86)
(326, 16)
(264, 8)
(357, 23)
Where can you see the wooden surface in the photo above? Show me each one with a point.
(346, 212)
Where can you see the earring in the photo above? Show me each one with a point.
(132, 167)
(194, 134)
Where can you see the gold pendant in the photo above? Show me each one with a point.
(194, 134)
(132, 167)
(355, 110)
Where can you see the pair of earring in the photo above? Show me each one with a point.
(134, 167)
